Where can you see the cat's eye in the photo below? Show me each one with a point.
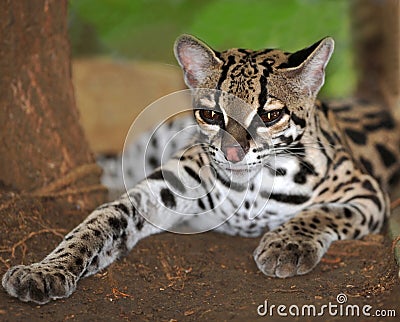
(211, 117)
(270, 116)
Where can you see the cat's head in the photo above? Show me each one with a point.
(247, 102)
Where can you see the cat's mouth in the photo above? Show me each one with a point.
(239, 167)
(242, 169)
(237, 173)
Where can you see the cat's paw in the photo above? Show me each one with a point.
(284, 256)
(38, 283)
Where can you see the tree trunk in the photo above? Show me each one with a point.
(46, 167)
(376, 31)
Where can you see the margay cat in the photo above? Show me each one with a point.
(273, 160)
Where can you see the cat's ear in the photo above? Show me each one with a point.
(197, 60)
(308, 65)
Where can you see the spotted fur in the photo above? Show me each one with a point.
(269, 158)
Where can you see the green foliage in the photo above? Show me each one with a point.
(146, 29)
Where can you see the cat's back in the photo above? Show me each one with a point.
(372, 134)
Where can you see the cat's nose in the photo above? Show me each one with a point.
(234, 153)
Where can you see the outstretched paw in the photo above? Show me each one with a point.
(280, 255)
(38, 283)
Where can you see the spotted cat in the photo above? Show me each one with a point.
(268, 158)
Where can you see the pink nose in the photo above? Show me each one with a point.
(234, 153)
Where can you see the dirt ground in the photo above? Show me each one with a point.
(208, 276)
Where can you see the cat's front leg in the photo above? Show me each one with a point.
(159, 202)
(108, 233)
(297, 246)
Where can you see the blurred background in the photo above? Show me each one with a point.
(146, 29)
(123, 59)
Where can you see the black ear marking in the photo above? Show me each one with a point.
(297, 58)
(196, 59)
(308, 65)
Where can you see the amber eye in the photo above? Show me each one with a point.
(271, 116)
(211, 117)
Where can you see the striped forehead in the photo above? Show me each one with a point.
(244, 73)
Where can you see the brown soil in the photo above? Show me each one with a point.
(171, 277)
